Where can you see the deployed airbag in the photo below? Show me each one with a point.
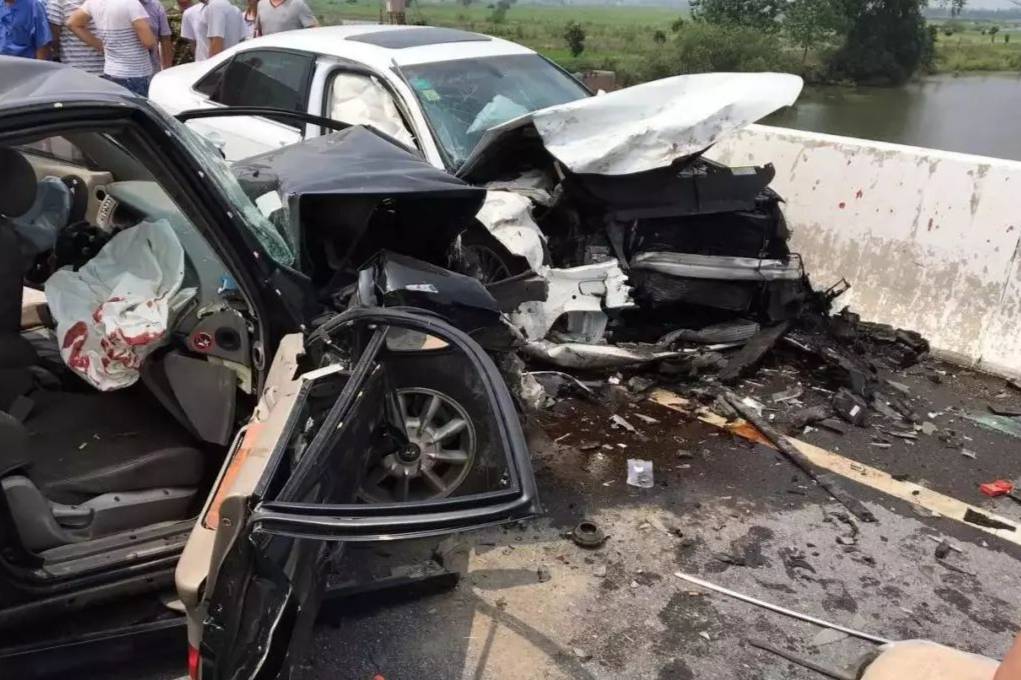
(115, 309)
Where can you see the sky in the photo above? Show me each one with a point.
(988, 4)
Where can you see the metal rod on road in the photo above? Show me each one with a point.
(780, 610)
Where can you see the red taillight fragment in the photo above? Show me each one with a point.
(193, 663)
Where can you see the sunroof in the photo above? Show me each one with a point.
(417, 37)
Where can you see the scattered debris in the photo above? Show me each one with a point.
(738, 330)
(640, 383)
(850, 406)
(639, 473)
(748, 357)
(543, 574)
(832, 424)
(954, 567)
(581, 654)
(646, 419)
(618, 421)
(942, 541)
(790, 394)
(983, 520)
(999, 487)
(943, 549)
(587, 534)
(928, 428)
(1008, 411)
(812, 414)
(967, 453)
(825, 479)
(804, 663)
(1004, 424)
(778, 609)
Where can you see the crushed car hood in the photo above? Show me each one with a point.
(342, 197)
(353, 162)
(643, 127)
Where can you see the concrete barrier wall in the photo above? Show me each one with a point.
(929, 240)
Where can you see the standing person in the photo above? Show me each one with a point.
(163, 56)
(283, 15)
(24, 30)
(125, 40)
(251, 17)
(69, 48)
(218, 25)
(189, 27)
(224, 25)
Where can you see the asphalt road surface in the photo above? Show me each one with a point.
(532, 604)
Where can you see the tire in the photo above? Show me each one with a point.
(479, 254)
(418, 378)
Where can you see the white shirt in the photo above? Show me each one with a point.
(72, 50)
(124, 55)
(218, 19)
(190, 21)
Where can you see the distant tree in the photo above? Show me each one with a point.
(1006, 37)
(760, 14)
(992, 33)
(677, 24)
(464, 3)
(574, 34)
(811, 22)
(955, 6)
(499, 13)
(659, 37)
(886, 41)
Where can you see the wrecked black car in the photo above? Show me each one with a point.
(179, 401)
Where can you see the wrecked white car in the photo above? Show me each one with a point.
(598, 207)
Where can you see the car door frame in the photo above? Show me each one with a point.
(412, 114)
(222, 225)
(307, 98)
(258, 616)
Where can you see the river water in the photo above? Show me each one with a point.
(978, 114)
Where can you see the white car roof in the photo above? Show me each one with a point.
(380, 46)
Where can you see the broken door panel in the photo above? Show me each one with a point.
(375, 448)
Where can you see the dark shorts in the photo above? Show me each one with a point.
(139, 86)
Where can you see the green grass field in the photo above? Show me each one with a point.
(621, 39)
(971, 50)
(618, 39)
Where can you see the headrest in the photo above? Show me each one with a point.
(18, 191)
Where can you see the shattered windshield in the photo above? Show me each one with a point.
(255, 210)
(464, 98)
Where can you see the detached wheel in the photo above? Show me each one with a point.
(441, 451)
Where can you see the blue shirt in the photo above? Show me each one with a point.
(23, 28)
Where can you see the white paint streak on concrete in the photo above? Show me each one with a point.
(928, 239)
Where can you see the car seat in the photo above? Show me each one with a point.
(77, 465)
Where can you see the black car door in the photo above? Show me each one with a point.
(344, 470)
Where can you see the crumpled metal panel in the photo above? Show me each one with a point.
(649, 125)
(719, 267)
(582, 293)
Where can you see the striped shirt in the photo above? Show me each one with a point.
(125, 56)
(72, 50)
